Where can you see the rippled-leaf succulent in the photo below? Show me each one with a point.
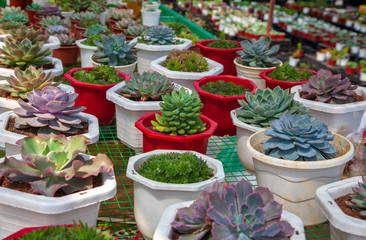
(359, 197)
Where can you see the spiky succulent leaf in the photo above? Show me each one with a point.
(51, 20)
(124, 23)
(185, 61)
(359, 197)
(23, 32)
(66, 39)
(96, 29)
(15, 17)
(120, 14)
(11, 9)
(160, 35)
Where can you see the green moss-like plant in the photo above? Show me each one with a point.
(290, 74)
(185, 61)
(90, 40)
(223, 44)
(178, 168)
(224, 89)
(100, 75)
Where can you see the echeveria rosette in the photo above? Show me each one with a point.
(359, 197)
(54, 163)
(299, 138)
(160, 35)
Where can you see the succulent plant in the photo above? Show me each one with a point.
(233, 211)
(98, 6)
(265, 106)
(103, 74)
(299, 138)
(80, 16)
(25, 81)
(257, 53)
(180, 114)
(17, 35)
(149, 86)
(125, 22)
(223, 44)
(160, 35)
(185, 61)
(57, 29)
(224, 88)
(115, 51)
(11, 9)
(66, 39)
(96, 29)
(49, 10)
(89, 22)
(135, 30)
(178, 27)
(328, 88)
(14, 17)
(288, 73)
(27, 54)
(50, 110)
(33, 7)
(90, 40)
(53, 164)
(359, 197)
(9, 26)
(120, 14)
(51, 20)
(81, 5)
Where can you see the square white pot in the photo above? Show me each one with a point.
(151, 197)
(338, 117)
(20, 210)
(164, 230)
(8, 139)
(85, 53)
(186, 79)
(342, 226)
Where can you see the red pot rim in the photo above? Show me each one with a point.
(69, 76)
(264, 75)
(202, 44)
(78, 27)
(227, 78)
(68, 47)
(211, 127)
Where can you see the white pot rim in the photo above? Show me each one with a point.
(156, 11)
(253, 68)
(80, 44)
(118, 67)
(241, 124)
(157, 48)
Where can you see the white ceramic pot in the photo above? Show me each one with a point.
(340, 46)
(52, 43)
(355, 49)
(164, 230)
(67, 16)
(150, 18)
(20, 210)
(338, 117)
(160, 195)
(58, 69)
(320, 57)
(293, 61)
(243, 132)
(8, 139)
(186, 79)
(363, 77)
(342, 62)
(251, 73)
(128, 112)
(102, 17)
(294, 183)
(342, 226)
(85, 53)
(127, 69)
(148, 53)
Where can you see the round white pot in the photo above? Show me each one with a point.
(342, 226)
(8, 139)
(128, 112)
(151, 197)
(148, 53)
(355, 49)
(340, 46)
(67, 16)
(294, 183)
(20, 210)
(164, 230)
(243, 132)
(186, 79)
(320, 57)
(85, 53)
(251, 73)
(128, 69)
(58, 69)
(52, 43)
(338, 117)
(102, 17)
(154, 5)
(293, 61)
(363, 77)
(150, 18)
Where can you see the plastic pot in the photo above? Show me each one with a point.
(31, 15)
(67, 54)
(127, 69)
(73, 25)
(150, 18)
(350, 70)
(85, 53)
(224, 56)
(93, 96)
(218, 107)
(18, 3)
(154, 140)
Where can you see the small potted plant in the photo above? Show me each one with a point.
(165, 177)
(68, 51)
(95, 82)
(78, 17)
(49, 21)
(255, 58)
(179, 125)
(13, 20)
(185, 66)
(61, 174)
(221, 51)
(133, 30)
(150, 15)
(220, 95)
(47, 10)
(306, 155)
(351, 67)
(32, 11)
(295, 58)
(95, 30)
(118, 15)
(121, 25)
(80, 28)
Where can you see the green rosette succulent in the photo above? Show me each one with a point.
(358, 201)
(185, 61)
(160, 35)
(134, 30)
(17, 35)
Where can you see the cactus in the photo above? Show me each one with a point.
(185, 61)
(358, 201)
(49, 10)
(17, 35)
(51, 20)
(134, 30)
(160, 35)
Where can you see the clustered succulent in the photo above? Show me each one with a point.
(124, 23)
(98, 6)
(257, 53)
(53, 164)
(81, 16)
(10, 9)
(180, 114)
(49, 110)
(49, 10)
(185, 61)
(328, 88)
(13, 20)
(51, 20)
(299, 138)
(99, 75)
(223, 44)
(177, 27)
(134, 30)
(120, 14)
(233, 211)
(224, 88)
(96, 29)
(160, 35)
(57, 29)
(288, 73)
(17, 35)
(148, 86)
(66, 39)
(359, 197)
(90, 40)
(25, 81)
(265, 106)
(88, 22)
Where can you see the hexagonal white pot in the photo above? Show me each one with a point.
(20, 210)
(186, 79)
(342, 226)
(164, 230)
(294, 183)
(8, 139)
(338, 117)
(151, 197)
(148, 53)
(85, 53)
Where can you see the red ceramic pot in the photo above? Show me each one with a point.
(93, 96)
(37, 18)
(154, 140)
(67, 54)
(224, 56)
(218, 107)
(350, 70)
